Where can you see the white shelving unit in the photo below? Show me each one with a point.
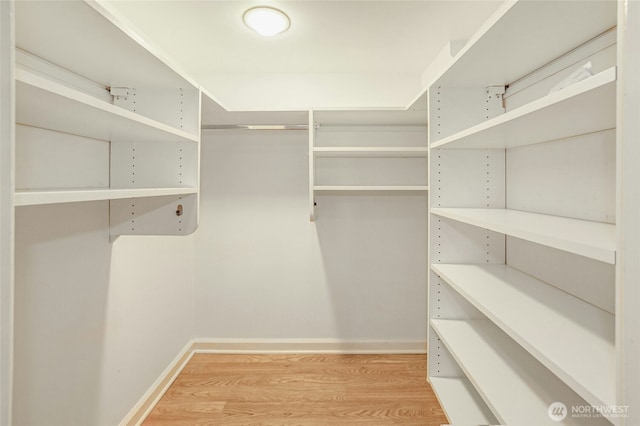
(96, 105)
(510, 329)
(374, 152)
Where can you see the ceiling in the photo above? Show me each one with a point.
(336, 53)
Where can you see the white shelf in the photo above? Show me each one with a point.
(366, 188)
(43, 103)
(594, 240)
(515, 386)
(55, 196)
(98, 45)
(461, 401)
(572, 338)
(521, 36)
(370, 117)
(399, 152)
(558, 115)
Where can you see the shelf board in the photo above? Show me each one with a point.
(399, 116)
(370, 188)
(515, 386)
(571, 337)
(43, 103)
(397, 152)
(522, 35)
(555, 116)
(107, 52)
(594, 240)
(56, 196)
(461, 401)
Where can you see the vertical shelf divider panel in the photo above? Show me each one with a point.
(628, 222)
(471, 130)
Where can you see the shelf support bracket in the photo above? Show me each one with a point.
(120, 93)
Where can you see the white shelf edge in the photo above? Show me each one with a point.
(367, 188)
(56, 196)
(399, 152)
(42, 83)
(487, 287)
(594, 240)
(513, 384)
(583, 87)
(466, 407)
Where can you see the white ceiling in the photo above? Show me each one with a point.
(352, 45)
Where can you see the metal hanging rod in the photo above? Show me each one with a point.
(254, 127)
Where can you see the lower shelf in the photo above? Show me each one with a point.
(516, 387)
(573, 338)
(461, 402)
(55, 196)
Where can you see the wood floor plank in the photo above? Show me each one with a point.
(300, 389)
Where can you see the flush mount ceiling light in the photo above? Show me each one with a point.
(266, 21)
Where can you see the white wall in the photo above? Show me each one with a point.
(96, 323)
(263, 270)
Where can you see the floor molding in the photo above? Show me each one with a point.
(149, 400)
(263, 346)
(332, 346)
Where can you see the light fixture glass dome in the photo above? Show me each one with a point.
(266, 21)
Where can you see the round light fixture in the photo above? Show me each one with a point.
(266, 21)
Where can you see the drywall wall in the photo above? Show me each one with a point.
(263, 270)
(96, 323)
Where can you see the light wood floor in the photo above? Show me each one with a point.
(300, 390)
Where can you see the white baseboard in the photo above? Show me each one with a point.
(151, 397)
(331, 346)
(263, 346)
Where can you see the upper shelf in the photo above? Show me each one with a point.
(555, 116)
(43, 103)
(401, 152)
(371, 117)
(594, 240)
(566, 329)
(522, 35)
(516, 387)
(106, 51)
